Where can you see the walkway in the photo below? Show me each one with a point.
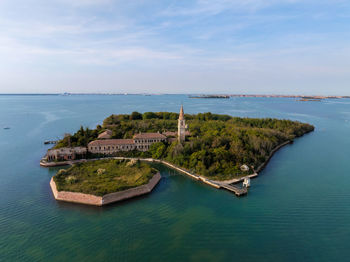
(217, 184)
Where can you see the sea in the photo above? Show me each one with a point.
(298, 209)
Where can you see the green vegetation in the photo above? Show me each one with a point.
(217, 148)
(80, 138)
(103, 176)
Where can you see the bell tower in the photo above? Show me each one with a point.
(181, 126)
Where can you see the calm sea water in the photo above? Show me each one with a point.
(297, 210)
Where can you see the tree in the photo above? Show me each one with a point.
(157, 150)
(135, 116)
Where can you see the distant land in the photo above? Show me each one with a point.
(210, 96)
(190, 95)
(294, 96)
(302, 97)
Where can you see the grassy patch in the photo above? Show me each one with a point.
(103, 176)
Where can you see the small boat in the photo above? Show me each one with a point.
(6, 127)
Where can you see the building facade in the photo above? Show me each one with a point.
(110, 146)
(143, 141)
(66, 153)
(140, 142)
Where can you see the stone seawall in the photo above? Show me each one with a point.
(132, 192)
(106, 199)
(74, 196)
(262, 166)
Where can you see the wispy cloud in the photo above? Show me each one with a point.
(229, 41)
(208, 7)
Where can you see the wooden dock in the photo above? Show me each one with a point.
(239, 191)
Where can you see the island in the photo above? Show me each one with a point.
(104, 181)
(209, 96)
(219, 150)
(298, 97)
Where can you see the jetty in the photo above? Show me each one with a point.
(46, 142)
(239, 191)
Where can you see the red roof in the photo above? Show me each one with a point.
(108, 142)
(106, 134)
(149, 136)
(169, 133)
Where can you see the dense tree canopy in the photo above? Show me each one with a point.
(218, 146)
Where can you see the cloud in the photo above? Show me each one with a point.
(82, 3)
(229, 43)
(209, 7)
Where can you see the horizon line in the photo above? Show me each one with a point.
(213, 94)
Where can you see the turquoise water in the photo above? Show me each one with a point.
(297, 210)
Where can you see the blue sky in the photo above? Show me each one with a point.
(183, 46)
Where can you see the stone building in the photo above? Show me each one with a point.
(181, 126)
(110, 146)
(144, 140)
(66, 153)
(140, 142)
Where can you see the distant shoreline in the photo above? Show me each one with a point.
(190, 95)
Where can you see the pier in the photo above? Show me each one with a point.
(50, 142)
(239, 191)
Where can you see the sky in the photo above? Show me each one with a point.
(175, 46)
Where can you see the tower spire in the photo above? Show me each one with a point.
(182, 115)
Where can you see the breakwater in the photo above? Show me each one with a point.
(89, 199)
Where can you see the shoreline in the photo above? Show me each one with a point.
(263, 165)
(213, 183)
